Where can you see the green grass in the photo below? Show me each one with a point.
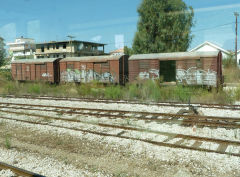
(143, 91)
(8, 141)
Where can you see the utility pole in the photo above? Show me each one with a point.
(236, 15)
(70, 42)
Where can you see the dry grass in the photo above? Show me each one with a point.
(143, 91)
(231, 75)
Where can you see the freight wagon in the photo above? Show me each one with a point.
(105, 69)
(188, 68)
(36, 70)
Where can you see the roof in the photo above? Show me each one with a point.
(210, 44)
(175, 55)
(41, 60)
(118, 51)
(93, 58)
(67, 41)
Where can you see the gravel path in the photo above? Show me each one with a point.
(188, 163)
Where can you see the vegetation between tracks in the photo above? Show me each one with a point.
(147, 91)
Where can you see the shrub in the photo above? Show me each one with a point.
(34, 89)
(113, 92)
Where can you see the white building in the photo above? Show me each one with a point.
(22, 48)
(208, 46)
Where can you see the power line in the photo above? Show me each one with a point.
(204, 29)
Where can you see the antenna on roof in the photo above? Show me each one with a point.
(70, 42)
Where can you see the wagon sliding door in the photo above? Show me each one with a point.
(27, 72)
(19, 71)
(168, 70)
(40, 70)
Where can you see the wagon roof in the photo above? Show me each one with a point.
(42, 60)
(93, 58)
(175, 55)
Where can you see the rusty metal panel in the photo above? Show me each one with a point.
(133, 70)
(125, 69)
(48, 74)
(104, 69)
(13, 69)
(27, 72)
(19, 71)
(180, 64)
(38, 72)
(147, 69)
(33, 72)
(78, 71)
(198, 72)
(23, 71)
(116, 72)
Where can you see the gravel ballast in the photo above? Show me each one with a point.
(205, 163)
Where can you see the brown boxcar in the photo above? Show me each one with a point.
(189, 68)
(105, 69)
(36, 70)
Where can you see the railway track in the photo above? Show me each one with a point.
(197, 120)
(18, 171)
(124, 132)
(108, 101)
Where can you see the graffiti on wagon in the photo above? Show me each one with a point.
(86, 76)
(152, 73)
(196, 76)
(46, 75)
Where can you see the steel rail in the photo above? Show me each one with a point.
(72, 110)
(168, 104)
(164, 144)
(163, 120)
(18, 171)
(125, 128)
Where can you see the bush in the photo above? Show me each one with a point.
(113, 92)
(231, 71)
(145, 90)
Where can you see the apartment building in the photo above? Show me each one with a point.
(62, 49)
(22, 48)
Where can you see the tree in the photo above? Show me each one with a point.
(2, 51)
(128, 51)
(164, 26)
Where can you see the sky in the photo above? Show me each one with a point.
(112, 22)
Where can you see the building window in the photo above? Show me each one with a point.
(64, 56)
(54, 46)
(42, 48)
(48, 47)
(57, 46)
(64, 46)
(57, 56)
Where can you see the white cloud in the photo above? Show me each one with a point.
(214, 8)
(119, 41)
(8, 32)
(103, 23)
(96, 38)
(33, 30)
